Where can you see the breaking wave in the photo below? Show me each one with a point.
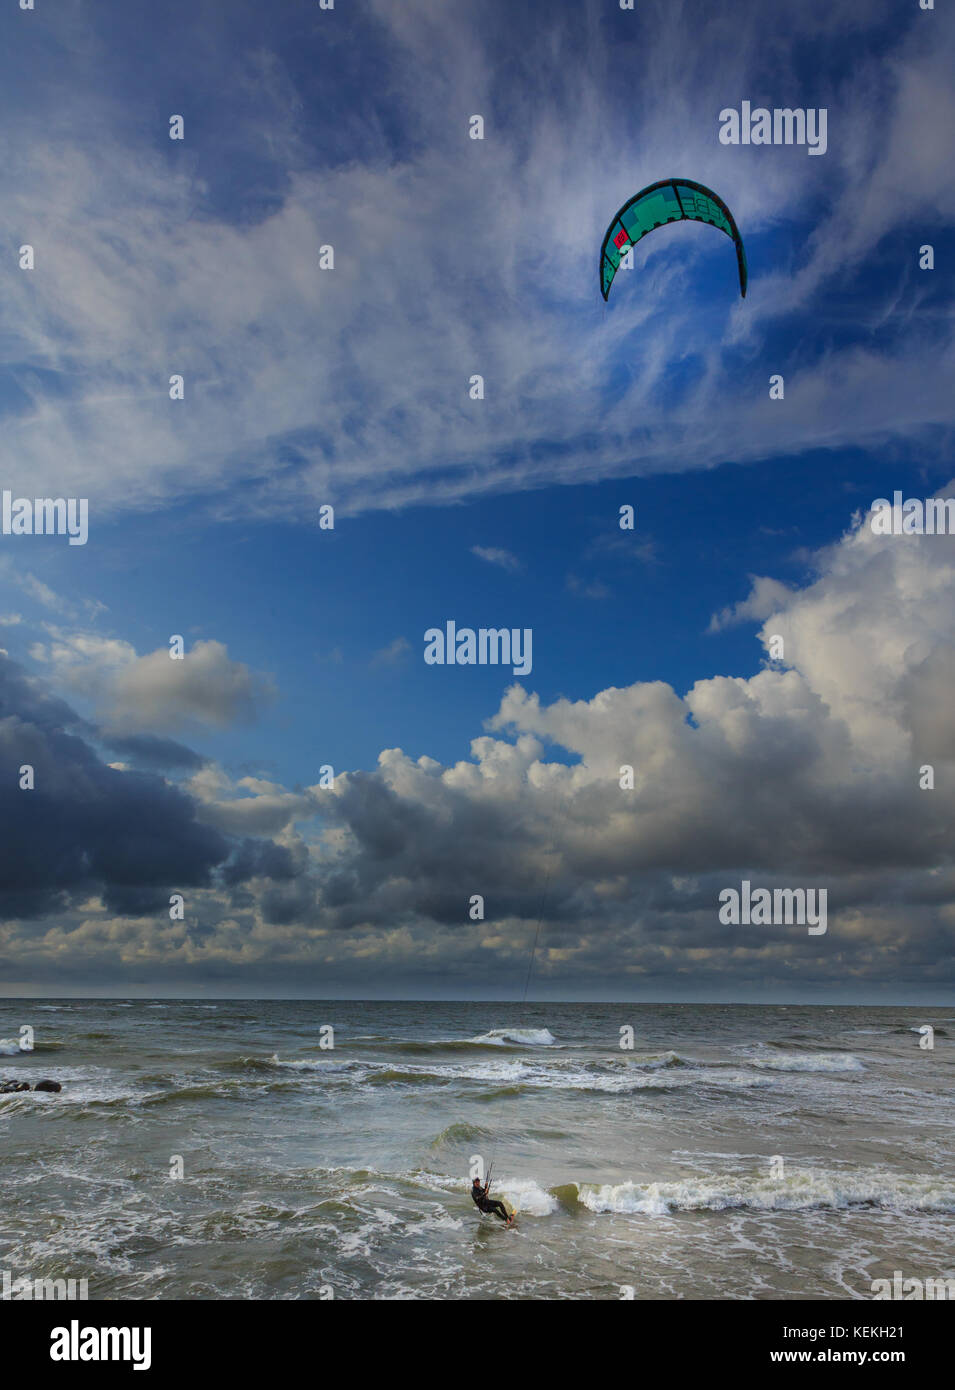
(809, 1061)
(520, 1037)
(799, 1190)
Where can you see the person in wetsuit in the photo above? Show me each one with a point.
(483, 1202)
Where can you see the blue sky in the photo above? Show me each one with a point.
(321, 612)
(350, 387)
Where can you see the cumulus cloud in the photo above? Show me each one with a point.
(765, 597)
(250, 807)
(150, 752)
(85, 827)
(806, 774)
(206, 686)
(88, 829)
(145, 694)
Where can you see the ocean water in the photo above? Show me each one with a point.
(734, 1153)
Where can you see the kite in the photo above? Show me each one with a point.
(670, 200)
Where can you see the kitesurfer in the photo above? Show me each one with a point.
(483, 1202)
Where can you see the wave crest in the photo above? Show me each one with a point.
(520, 1037)
(800, 1190)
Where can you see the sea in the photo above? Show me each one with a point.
(301, 1149)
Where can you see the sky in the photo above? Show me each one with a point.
(327, 804)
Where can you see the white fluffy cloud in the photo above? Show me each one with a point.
(153, 693)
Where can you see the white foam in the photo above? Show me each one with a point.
(525, 1037)
(809, 1061)
(799, 1190)
(312, 1064)
(9, 1047)
(703, 1076)
(525, 1196)
(653, 1061)
(567, 1076)
(463, 1071)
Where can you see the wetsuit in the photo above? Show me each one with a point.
(483, 1203)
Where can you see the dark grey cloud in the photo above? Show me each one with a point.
(153, 753)
(259, 859)
(89, 829)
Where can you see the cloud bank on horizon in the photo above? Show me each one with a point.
(807, 772)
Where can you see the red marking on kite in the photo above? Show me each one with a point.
(620, 238)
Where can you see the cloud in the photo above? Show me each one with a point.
(393, 653)
(85, 827)
(593, 588)
(155, 754)
(155, 692)
(261, 812)
(804, 775)
(497, 556)
(46, 597)
(91, 830)
(764, 598)
(143, 694)
(33, 587)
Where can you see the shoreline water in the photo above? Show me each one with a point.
(733, 1152)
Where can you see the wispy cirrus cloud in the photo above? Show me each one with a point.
(392, 654)
(497, 555)
(350, 385)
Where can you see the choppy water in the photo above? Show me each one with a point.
(347, 1169)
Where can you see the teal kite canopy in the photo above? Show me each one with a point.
(670, 200)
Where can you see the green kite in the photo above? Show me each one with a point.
(670, 200)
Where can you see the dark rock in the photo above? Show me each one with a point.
(47, 1086)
